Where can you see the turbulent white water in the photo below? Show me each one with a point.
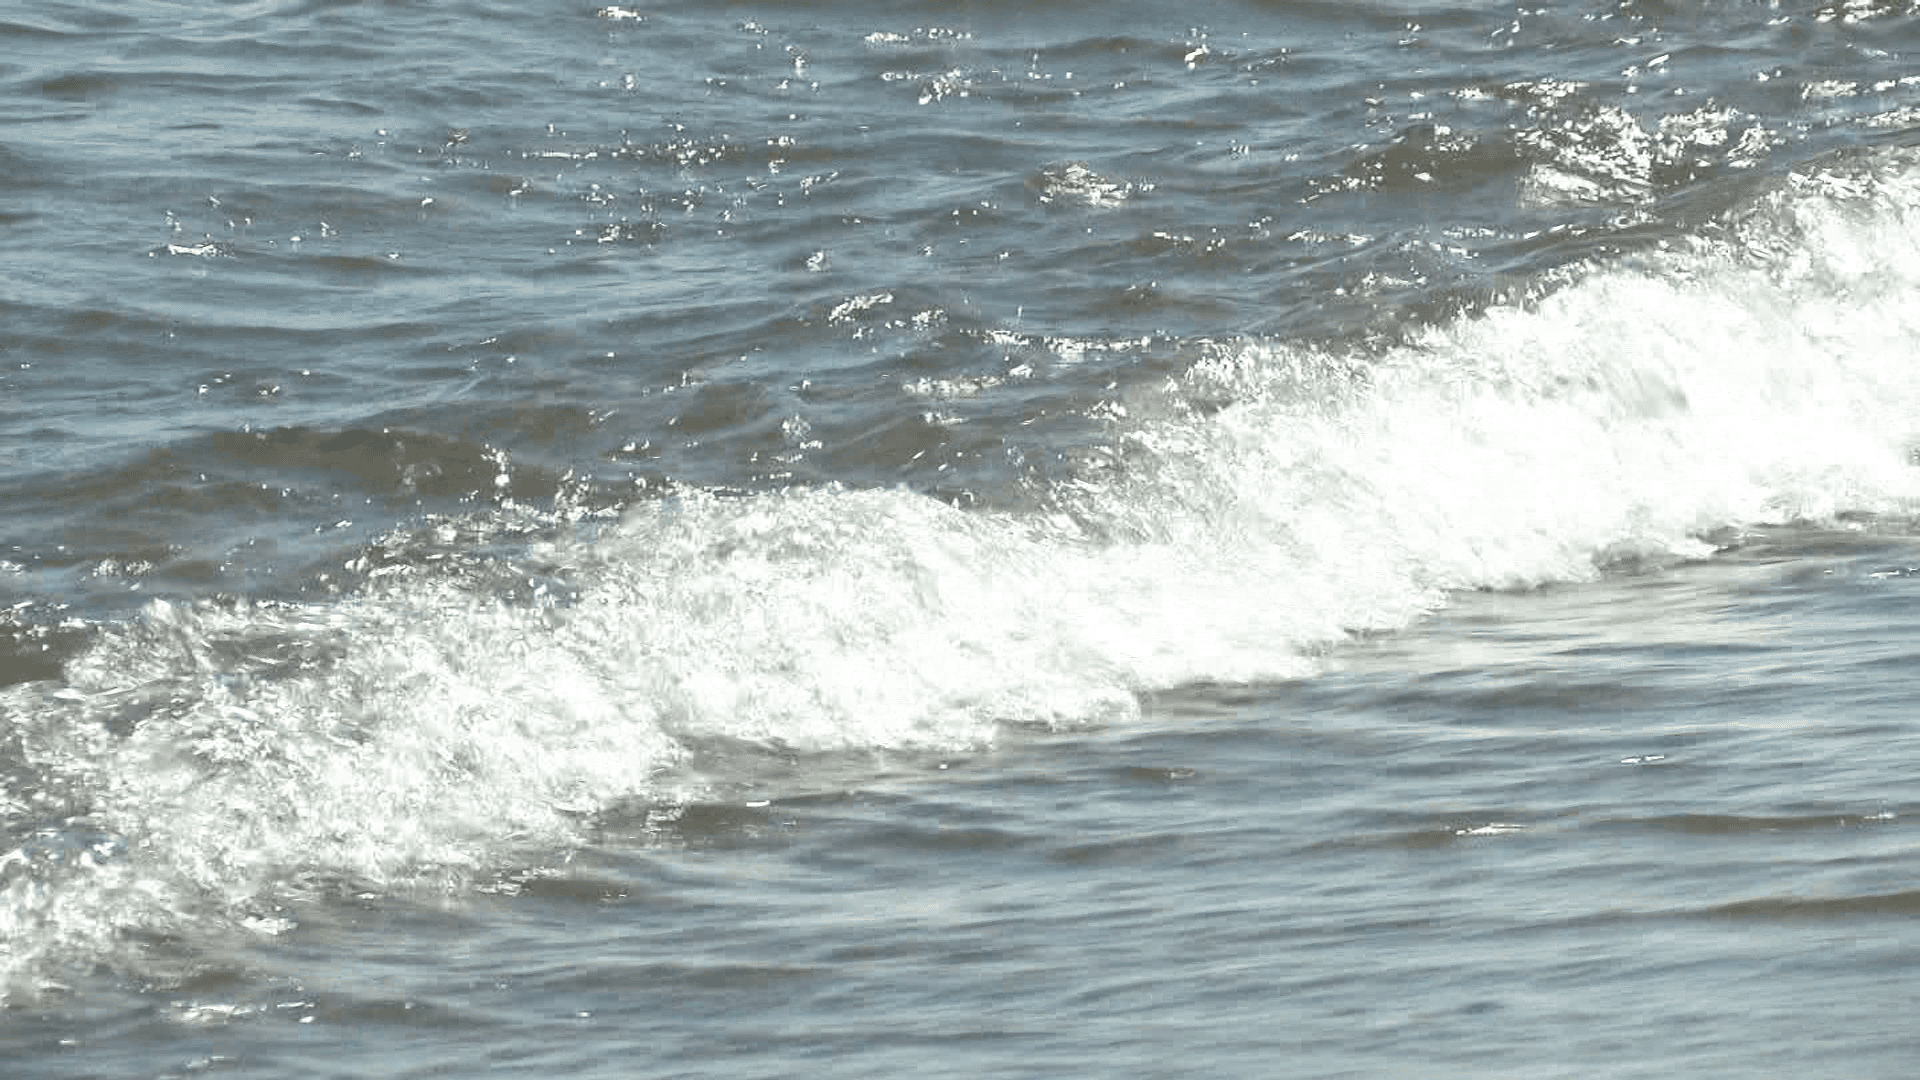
(204, 765)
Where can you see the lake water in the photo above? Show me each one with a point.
(882, 539)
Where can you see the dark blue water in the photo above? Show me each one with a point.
(872, 539)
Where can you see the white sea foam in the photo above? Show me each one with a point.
(215, 765)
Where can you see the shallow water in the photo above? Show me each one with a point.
(1264, 538)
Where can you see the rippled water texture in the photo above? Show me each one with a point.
(978, 539)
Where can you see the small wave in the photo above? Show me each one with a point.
(1898, 904)
(1075, 183)
(203, 768)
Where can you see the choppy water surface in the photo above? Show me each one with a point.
(982, 539)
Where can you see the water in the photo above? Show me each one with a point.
(1266, 539)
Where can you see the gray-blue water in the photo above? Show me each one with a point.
(874, 539)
